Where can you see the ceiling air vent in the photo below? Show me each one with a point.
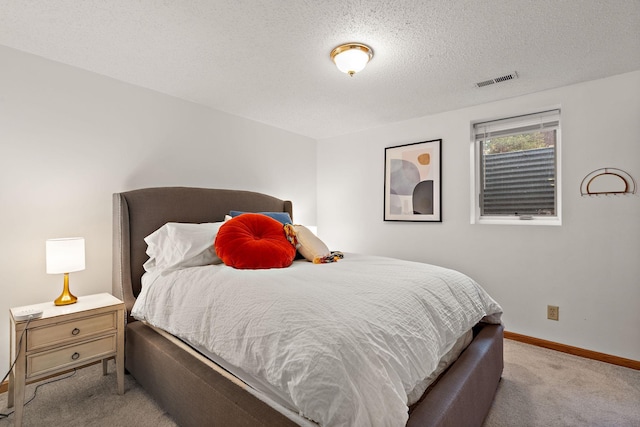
(500, 79)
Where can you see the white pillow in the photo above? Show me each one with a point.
(309, 245)
(180, 245)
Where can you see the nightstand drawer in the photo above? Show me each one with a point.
(70, 331)
(71, 355)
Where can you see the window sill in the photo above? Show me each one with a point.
(517, 221)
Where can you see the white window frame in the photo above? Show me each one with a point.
(476, 181)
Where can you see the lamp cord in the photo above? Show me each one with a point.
(35, 392)
(19, 347)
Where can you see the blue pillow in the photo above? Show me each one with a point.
(283, 217)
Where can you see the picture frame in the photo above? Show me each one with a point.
(413, 182)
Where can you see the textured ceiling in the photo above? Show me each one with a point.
(269, 60)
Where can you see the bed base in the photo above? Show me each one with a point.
(463, 395)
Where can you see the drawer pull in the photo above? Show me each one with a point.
(75, 331)
(75, 355)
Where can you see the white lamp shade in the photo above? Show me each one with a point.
(65, 255)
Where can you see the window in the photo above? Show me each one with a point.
(517, 169)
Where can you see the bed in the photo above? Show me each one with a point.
(195, 390)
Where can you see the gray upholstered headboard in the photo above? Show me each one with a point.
(138, 213)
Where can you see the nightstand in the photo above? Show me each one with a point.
(65, 337)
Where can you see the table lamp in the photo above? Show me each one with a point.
(65, 256)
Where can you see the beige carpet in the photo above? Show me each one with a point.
(539, 388)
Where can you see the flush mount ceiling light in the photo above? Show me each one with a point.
(351, 58)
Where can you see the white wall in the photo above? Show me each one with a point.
(589, 266)
(70, 138)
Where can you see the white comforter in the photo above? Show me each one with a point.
(345, 343)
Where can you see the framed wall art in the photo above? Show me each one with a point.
(413, 182)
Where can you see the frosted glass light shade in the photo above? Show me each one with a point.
(352, 57)
(65, 255)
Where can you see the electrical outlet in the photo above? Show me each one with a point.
(553, 312)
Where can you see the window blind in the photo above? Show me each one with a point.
(546, 120)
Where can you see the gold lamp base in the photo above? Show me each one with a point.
(66, 297)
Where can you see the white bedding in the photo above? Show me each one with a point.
(345, 343)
